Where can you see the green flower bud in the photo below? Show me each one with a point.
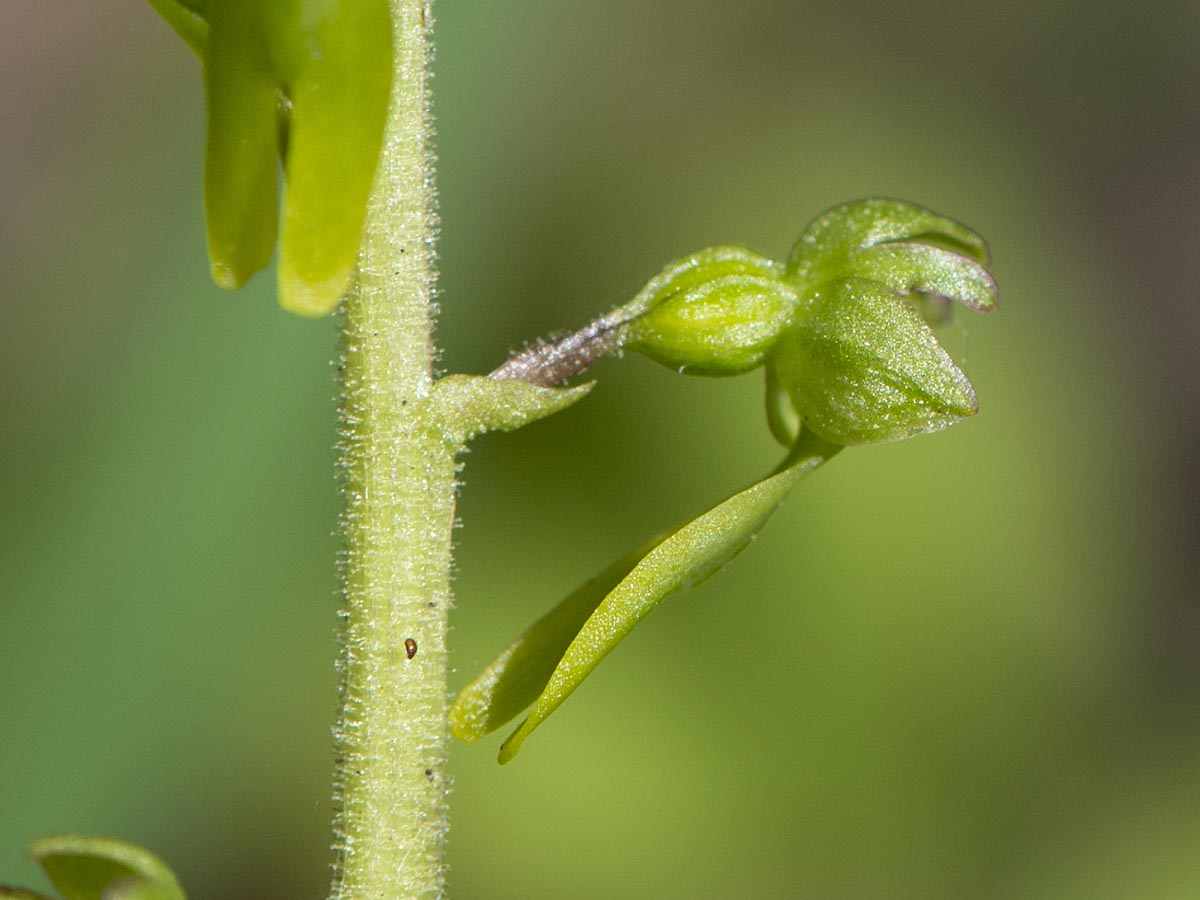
(861, 366)
(718, 312)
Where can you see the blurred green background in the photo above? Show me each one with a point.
(961, 666)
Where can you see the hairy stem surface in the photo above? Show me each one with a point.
(398, 481)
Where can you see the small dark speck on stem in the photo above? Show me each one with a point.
(429, 774)
(410, 647)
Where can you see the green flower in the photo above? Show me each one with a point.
(841, 332)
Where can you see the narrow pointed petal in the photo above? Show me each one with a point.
(908, 267)
(834, 237)
(684, 559)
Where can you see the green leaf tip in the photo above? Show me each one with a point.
(92, 868)
(307, 82)
(552, 658)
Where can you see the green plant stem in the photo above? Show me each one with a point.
(398, 482)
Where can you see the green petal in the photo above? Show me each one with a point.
(829, 242)
(89, 868)
(863, 367)
(685, 558)
(908, 267)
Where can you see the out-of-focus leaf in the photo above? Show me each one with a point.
(683, 559)
(308, 80)
(91, 868)
(825, 250)
(338, 87)
(241, 166)
(16, 893)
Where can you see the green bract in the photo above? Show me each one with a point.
(305, 81)
(849, 359)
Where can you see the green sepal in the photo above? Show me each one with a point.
(862, 367)
(717, 312)
(469, 405)
(91, 868)
(826, 249)
(307, 80)
(554, 656)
